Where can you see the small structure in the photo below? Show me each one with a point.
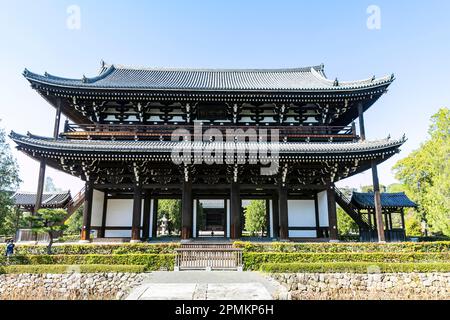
(26, 201)
(391, 203)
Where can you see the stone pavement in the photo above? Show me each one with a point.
(202, 285)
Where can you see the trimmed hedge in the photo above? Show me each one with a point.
(117, 248)
(151, 262)
(253, 260)
(439, 246)
(93, 268)
(354, 267)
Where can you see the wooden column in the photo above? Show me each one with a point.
(402, 215)
(377, 201)
(137, 210)
(316, 212)
(105, 209)
(275, 216)
(147, 214)
(87, 211)
(40, 188)
(362, 130)
(186, 214)
(154, 234)
(332, 216)
(57, 118)
(235, 211)
(283, 212)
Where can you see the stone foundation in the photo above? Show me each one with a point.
(71, 286)
(392, 286)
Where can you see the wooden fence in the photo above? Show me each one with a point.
(208, 259)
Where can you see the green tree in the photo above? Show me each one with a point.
(425, 173)
(48, 221)
(255, 216)
(75, 222)
(171, 209)
(346, 225)
(9, 182)
(412, 224)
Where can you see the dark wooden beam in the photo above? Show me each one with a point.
(154, 219)
(186, 214)
(104, 213)
(377, 201)
(275, 215)
(137, 210)
(40, 188)
(283, 212)
(147, 213)
(332, 216)
(362, 130)
(235, 211)
(87, 211)
(316, 213)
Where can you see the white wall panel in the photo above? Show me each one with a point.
(301, 213)
(302, 234)
(97, 208)
(119, 213)
(323, 209)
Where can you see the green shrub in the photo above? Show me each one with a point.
(439, 246)
(117, 248)
(253, 260)
(59, 268)
(354, 267)
(149, 261)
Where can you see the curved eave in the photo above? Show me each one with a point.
(327, 86)
(123, 149)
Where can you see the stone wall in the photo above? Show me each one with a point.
(366, 286)
(73, 286)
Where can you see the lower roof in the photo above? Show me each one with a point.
(49, 200)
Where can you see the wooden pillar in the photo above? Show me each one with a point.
(137, 210)
(40, 188)
(390, 221)
(275, 215)
(362, 130)
(377, 201)
(402, 215)
(235, 211)
(87, 211)
(332, 215)
(186, 214)
(105, 210)
(283, 212)
(57, 118)
(147, 213)
(316, 212)
(154, 234)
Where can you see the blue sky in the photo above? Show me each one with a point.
(413, 43)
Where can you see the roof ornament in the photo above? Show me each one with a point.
(373, 78)
(322, 66)
(392, 76)
(26, 72)
(336, 83)
(102, 63)
(389, 137)
(85, 80)
(46, 74)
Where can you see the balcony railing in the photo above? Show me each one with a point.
(167, 132)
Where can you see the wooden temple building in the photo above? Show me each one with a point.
(215, 136)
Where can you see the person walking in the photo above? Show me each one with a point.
(9, 249)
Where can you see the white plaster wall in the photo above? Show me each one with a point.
(301, 213)
(323, 209)
(119, 213)
(97, 208)
(219, 203)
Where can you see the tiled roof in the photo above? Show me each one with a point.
(121, 77)
(145, 146)
(49, 200)
(388, 200)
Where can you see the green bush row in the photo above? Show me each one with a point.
(354, 267)
(253, 260)
(117, 248)
(439, 246)
(151, 262)
(59, 268)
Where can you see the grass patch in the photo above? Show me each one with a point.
(59, 269)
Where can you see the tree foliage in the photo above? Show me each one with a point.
(426, 175)
(9, 182)
(171, 209)
(255, 216)
(48, 221)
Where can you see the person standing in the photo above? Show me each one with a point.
(9, 249)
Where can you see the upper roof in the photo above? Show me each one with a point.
(49, 200)
(388, 200)
(116, 77)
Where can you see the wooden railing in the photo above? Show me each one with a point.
(166, 132)
(208, 259)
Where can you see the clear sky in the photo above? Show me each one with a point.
(413, 42)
